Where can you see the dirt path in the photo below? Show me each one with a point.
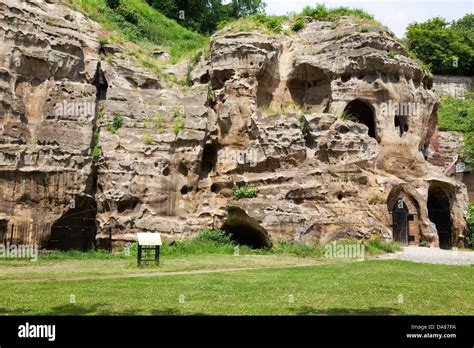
(155, 274)
(432, 255)
(411, 253)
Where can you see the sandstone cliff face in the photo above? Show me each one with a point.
(332, 126)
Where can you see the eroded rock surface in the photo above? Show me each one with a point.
(332, 125)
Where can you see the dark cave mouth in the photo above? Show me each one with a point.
(245, 230)
(77, 228)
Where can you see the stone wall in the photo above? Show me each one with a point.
(468, 179)
(273, 116)
(453, 86)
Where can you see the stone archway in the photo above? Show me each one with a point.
(245, 230)
(362, 112)
(439, 212)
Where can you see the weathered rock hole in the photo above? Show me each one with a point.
(77, 228)
(401, 122)
(309, 85)
(205, 78)
(340, 196)
(128, 203)
(219, 78)
(245, 230)
(183, 169)
(100, 82)
(166, 171)
(214, 188)
(427, 83)
(184, 190)
(209, 159)
(363, 113)
(345, 77)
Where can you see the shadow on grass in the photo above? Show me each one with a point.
(308, 310)
(99, 309)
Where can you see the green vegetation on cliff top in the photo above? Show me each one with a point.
(138, 22)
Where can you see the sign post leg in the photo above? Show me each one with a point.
(157, 255)
(139, 255)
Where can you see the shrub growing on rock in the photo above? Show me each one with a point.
(245, 191)
(298, 25)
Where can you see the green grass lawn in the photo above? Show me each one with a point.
(66, 268)
(354, 288)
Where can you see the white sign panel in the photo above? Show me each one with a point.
(149, 239)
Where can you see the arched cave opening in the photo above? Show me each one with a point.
(76, 229)
(439, 213)
(309, 86)
(209, 159)
(363, 113)
(245, 230)
(100, 83)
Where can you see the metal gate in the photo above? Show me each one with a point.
(75, 237)
(442, 219)
(400, 223)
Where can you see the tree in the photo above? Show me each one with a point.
(448, 47)
(205, 15)
(244, 8)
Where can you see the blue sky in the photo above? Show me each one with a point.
(395, 14)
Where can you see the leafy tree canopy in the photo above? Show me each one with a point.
(448, 47)
(205, 15)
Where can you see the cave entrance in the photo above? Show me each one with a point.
(77, 228)
(209, 159)
(439, 214)
(245, 230)
(100, 83)
(400, 222)
(3, 231)
(362, 113)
